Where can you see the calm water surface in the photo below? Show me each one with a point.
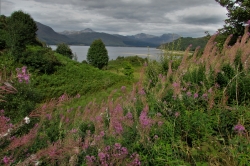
(114, 52)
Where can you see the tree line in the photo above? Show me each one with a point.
(19, 30)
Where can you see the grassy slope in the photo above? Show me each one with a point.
(74, 77)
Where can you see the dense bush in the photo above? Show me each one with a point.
(133, 60)
(65, 50)
(41, 60)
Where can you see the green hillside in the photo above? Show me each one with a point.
(183, 42)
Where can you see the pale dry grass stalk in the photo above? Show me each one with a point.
(49, 106)
(60, 150)
(232, 51)
(169, 69)
(185, 57)
(208, 49)
(245, 37)
(225, 45)
(5, 85)
(193, 59)
(24, 140)
(182, 68)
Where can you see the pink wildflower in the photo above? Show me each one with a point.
(129, 115)
(144, 120)
(23, 75)
(177, 114)
(196, 95)
(189, 94)
(175, 84)
(142, 92)
(239, 128)
(123, 88)
(160, 123)
(7, 160)
(204, 96)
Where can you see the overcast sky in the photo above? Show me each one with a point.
(126, 17)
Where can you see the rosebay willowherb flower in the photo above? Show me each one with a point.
(239, 128)
(22, 74)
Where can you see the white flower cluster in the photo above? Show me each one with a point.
(27, 120)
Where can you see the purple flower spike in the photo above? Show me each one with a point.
(196, 95)
(239, 128)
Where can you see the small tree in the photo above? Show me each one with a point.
(65, 50)
(98, 54)
(128, 70)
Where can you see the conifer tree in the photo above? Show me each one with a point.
(98, 54)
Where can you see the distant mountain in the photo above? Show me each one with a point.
(157, 40)
(48, 35)
(183, 42)
(87, 36)
(87, 30)
(135, 42)
(142, 36)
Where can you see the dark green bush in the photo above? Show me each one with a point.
(65, 50)
(42, 60)
(225, 75)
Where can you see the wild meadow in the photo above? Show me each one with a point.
(189, 110)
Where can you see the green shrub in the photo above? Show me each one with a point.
(65, 50)
(40, 60)
(128, 70)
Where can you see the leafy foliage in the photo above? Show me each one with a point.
(41, 60)
(238, 15)
(98, 54)
(65, 50)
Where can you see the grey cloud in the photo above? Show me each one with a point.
(201, 19)
(127, 16)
